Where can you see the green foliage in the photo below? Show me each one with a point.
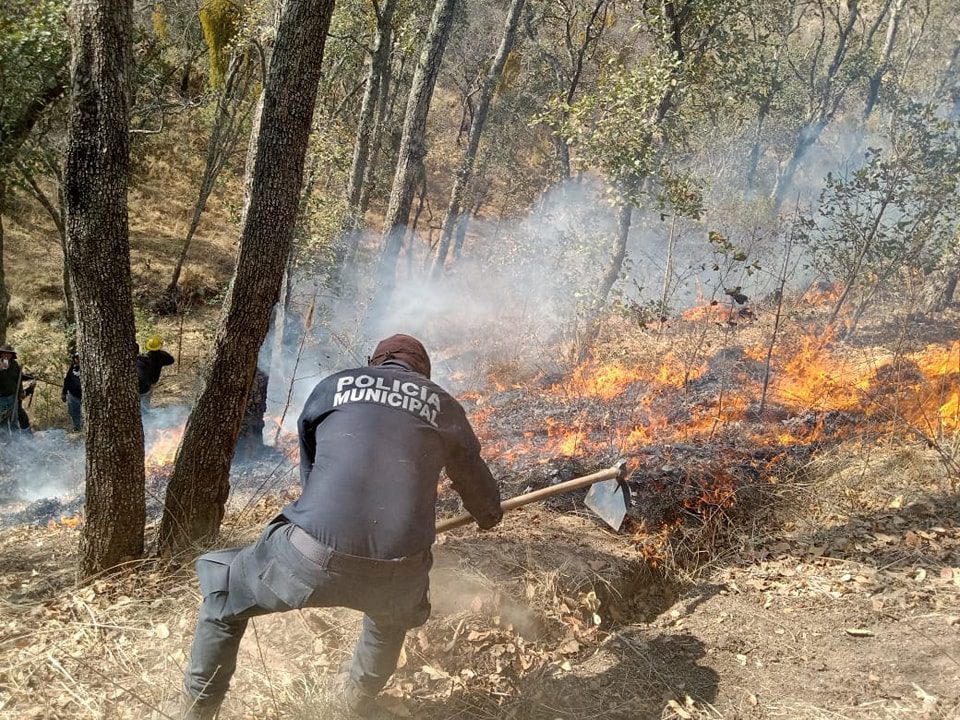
(161, 26)
(896, 213)
(634, 126)
(219, 20)
(34, 49)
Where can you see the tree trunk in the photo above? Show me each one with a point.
(949, 289)
(12, 137)
(58, 215)
(624, 217)
(379, 61)
(873, 91)
(4, 297)
(98, 254)
(412, 147)
(753, 163)
(619, 252)
(826, 98)
(199, 484)
(461, 235)
(226, 130)
(366, 128)
(69, 303)
(805, 140)
(376, 143)
(465, 171)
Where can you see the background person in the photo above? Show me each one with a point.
(12, 391)
(71, 393)
(149, 367)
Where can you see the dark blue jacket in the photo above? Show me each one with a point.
(372, 443)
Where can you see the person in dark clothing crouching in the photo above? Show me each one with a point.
(372, 443)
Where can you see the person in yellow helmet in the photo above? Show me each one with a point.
(149, 367)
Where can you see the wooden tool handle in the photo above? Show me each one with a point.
(541, 494)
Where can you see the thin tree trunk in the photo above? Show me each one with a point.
(364, 148)
(370, 170)
(199, 484)
(461, 235)
(412, 146)
(379, 61)
(376, 143)
(465, 172)
(617, 255)
(873, 91)
(624, 217)
(949, 288)
(224, 134)
(58, 215)
(805, 140)
(12, 136)
(823, 107)
(98, 254)
(4, 297)
(753, 162)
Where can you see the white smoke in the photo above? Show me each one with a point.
(50, 464)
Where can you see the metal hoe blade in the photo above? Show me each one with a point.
(609, 500)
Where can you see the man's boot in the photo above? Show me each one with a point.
(184, 707)
(352, 703)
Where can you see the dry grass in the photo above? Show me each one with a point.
(507, 606)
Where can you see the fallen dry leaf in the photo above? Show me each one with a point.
(678, 709)
(926, 697)
(434, 673)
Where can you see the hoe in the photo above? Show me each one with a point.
(609, 497)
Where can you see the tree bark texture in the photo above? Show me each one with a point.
(98, 256)
(199, 484)
(4, 297)
(465, 172)
(412, 145)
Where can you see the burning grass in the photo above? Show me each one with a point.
(711, 418)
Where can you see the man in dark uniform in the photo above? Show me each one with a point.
(12, 391)
(72, 392)
(372, 443)
(149, 367)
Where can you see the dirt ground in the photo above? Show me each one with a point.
(844, 603)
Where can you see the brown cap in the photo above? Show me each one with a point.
(404, 348)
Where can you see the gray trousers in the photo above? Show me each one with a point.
(75, 411)
(274, 576)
